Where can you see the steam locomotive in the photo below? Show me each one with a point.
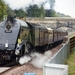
(19, 38)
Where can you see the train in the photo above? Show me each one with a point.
(19, 38)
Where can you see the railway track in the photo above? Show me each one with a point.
(4, 70)
(28, 67)
(7, 67)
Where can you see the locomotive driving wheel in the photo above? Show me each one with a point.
(28, 47)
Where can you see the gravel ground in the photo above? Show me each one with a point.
(29, 68)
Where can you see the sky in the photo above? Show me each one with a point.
(63, 6)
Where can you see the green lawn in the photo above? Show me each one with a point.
(71, 64)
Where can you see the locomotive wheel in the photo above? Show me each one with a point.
(29, 47)
(22, 50)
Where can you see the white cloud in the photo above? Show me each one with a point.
(66, 7)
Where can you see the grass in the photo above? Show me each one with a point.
(71, 64)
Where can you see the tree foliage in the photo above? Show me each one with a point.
(3, 8)
(35, 11)
(32, 11)
(20, 13)
(9, 11)
(50, 13)
(42, 11)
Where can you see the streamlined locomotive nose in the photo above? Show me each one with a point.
(9, 31)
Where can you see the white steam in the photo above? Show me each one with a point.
(36, 59)
(40, 59)
(24, 59)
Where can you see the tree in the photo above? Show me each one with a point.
(50, 13)
(35, 11)
(9, 11)
(20, 13)
(42, 11)
(2, 9)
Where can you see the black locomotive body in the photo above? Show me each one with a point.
(19, 38)
(13, 36)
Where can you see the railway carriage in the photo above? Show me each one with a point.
(50, 37)
(40, 37)
(55, 35)
(60, 37)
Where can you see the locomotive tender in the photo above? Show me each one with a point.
(19, 38)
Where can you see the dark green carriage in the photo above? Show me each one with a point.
(34, 32)
(39, 36)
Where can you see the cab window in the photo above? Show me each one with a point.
(23, 34)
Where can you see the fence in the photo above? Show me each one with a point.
(54, 65)
(55, 69)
